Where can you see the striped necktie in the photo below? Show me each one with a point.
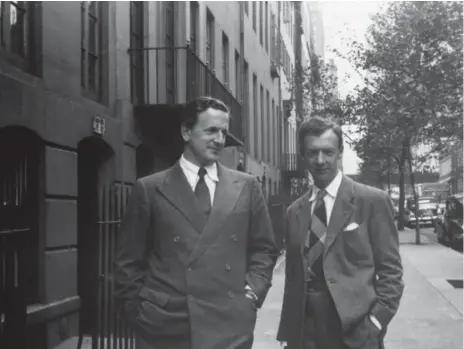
(314, 246)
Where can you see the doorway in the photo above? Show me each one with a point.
(94, 163)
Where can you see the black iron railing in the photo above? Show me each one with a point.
(172, 75)
(105, 327)
(13, 299)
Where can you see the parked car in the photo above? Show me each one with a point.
(426, 214)
(449, 225)
(396, 209)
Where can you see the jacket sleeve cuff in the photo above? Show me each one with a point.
(382, 314)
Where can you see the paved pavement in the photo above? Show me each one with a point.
(430, 314)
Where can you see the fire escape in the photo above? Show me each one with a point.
(167, 77)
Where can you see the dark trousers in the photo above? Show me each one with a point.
(322, 329)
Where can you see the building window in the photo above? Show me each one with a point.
(193, 25)
(238, 91)
(273, 38)
(169, 41)
(261, 19)
(278, 145)
(225, 59)
(255, 117)
(246, 100)
(266, 29)
(268, 126)
(274, 133)
(262, 128)
(210, 39)
(18, 34)
(91, 28)
(14, 26)
(246, 7)
(254, 15)
(137, 54)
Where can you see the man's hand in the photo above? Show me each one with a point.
(375, 322)
(250, 294)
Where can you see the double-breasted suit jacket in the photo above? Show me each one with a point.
(175, 275)
(362, 265)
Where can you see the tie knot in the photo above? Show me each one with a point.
(202, 172)
(321, 194)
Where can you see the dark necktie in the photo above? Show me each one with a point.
(202, 192)
(316, 237)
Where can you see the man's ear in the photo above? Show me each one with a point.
(185, 132)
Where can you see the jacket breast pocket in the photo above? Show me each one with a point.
(357, 245)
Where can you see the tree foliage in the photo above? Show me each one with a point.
(413, 66)
(412, 94)
(320, 88)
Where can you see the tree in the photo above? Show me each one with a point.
(413, 68)
(320, 89)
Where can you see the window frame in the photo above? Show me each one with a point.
(261, 24)
(268, 126)
(238, 84)
(255, 115)
(194, 16)
(262, 126)
(98, 93)
(31, 59)
(266, 26)
(254, 19)
(137, 57)
(209, 42)
(225, 59)
(273, 38)
(246, 98)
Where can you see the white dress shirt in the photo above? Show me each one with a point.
(329, 199)
(191, 172)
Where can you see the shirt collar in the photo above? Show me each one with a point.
(332, 188)
(211, 170)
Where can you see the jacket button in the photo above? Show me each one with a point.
(189, 270)
(230, 294)
(234, 238)
(228, 266)
(190, 298)
(176, 239)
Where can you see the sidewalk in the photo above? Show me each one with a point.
(430, 314)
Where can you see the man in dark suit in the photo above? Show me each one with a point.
(196, 249)
(343, 268)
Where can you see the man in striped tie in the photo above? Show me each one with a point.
(343, 268)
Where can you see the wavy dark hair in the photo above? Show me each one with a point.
(316, 126)
(192, 109)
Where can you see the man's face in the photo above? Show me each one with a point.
(207, 137)
(321, 154)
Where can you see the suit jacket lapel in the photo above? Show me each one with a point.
(178, 192)
(304, 217)
(341, 212)
(227, 192)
